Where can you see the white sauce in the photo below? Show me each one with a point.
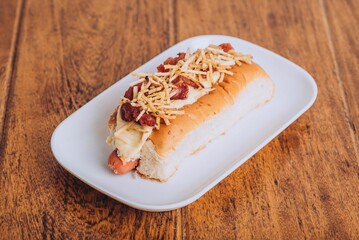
(130, 140)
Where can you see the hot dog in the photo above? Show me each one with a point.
(192, 98)
(119, 166)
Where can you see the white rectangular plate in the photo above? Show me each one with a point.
(78, 143)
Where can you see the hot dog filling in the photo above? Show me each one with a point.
(157, 98)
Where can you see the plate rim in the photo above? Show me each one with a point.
(181, 203)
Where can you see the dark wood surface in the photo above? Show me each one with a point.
(57, 55)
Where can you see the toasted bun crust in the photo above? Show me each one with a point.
(111, 124)
(166, 138)
(249, 87)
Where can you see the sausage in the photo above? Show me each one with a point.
(129, 92)
(147, 119)
(118, 166)
(181, 92)
(171, 61)
(226, 47)
(161, 68)
(128, 112)
(186, 80)
(174, 61)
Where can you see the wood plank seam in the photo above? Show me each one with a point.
(183, 223)
(340, 81)
(10, 71)
(172, 38)
(171, 41)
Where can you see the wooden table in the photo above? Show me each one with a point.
(57, 55)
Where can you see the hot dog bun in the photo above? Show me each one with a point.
(249, 87)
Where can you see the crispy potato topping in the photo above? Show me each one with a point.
(201, 70)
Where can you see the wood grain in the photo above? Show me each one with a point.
(57, 55)
(10, 18)
(342, 39)
(67, 54)
(295, 187)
